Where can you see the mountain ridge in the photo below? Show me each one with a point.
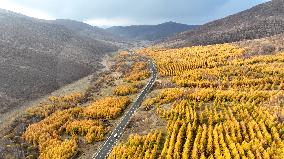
(149, 32)
(85, 29)
(260, 21)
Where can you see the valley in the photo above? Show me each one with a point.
(70, 90)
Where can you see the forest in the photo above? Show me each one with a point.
(225, 104)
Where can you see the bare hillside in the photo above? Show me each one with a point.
(37, 57)
(263, 20)
(84, 29)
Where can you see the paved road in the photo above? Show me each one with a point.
(118, 131)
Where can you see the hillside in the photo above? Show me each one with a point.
(263, 20)
(38, 57)
(149, 32)
(263, 46)
(84, 29)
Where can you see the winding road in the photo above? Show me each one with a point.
(106, 148)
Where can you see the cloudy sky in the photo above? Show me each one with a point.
(129, 12)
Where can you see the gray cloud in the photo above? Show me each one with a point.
(141, 11)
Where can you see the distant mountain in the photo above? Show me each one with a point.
(149, 32)
(263, 20)
(87, 30)
(38, 56)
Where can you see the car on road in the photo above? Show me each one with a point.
(115, 135)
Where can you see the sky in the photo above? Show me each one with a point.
(129, 12)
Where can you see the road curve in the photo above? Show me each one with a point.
(104, 151)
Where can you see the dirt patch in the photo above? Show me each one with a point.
(144, 122)
(263, 46)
